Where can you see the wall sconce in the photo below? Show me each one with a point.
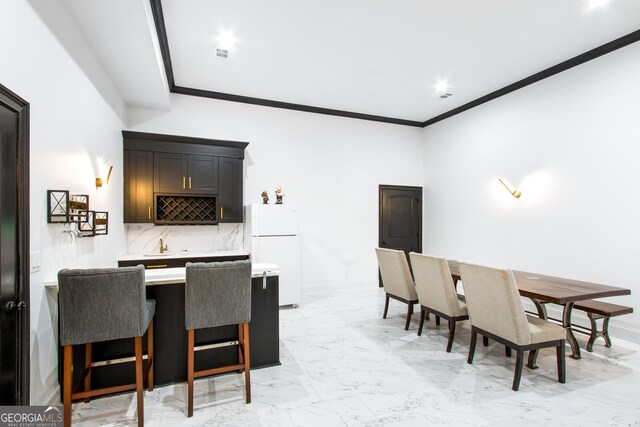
(99, 180)
(514, 193)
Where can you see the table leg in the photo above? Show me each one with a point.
(566, 322)
(542, 313)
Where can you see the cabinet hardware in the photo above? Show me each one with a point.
(189, 183)
(157, 266)
(184, 185)
(149, 212)
(221, 212)
(264, 280)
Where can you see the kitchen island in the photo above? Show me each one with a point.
(166, 287)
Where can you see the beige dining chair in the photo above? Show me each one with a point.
(496, 311)
(396, 280)
(437, 292)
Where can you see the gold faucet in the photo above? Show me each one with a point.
(163, 249)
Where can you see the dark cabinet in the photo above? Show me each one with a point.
(230, 199)
(188, 180)
(138, 186)
(186, 173)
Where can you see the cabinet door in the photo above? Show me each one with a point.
(230, 199)
(203, 174)
(170, 173)
(138, 186)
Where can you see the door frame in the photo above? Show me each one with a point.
(13, 102)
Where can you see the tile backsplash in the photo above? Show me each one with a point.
(145, 238)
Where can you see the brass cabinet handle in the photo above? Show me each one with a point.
(189, 183)
(221, 212)
(183, 182)
(149, 212)
(157, 266)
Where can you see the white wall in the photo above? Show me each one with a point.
(71, 127)
(571, 144)
(330, 166)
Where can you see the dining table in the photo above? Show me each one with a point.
(543, 289)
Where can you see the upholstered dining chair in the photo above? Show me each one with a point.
(218, 294)
(437, 292)
(396, 280)
(104, 304)
(496, 311)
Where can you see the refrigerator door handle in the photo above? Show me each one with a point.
(264, 280)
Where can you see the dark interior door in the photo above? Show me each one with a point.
(14, 316)
(400, 218)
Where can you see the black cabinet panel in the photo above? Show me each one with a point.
(230, 200)
(203, 174)
(170, 173)
(138, 186)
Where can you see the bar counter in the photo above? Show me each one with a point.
(166, 287)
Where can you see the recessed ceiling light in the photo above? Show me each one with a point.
(226, 40)
(595, 4)
(441, 87)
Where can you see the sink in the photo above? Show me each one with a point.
(160, 254)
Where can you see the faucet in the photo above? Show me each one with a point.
(163, 249)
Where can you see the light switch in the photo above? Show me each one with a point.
(35, 262)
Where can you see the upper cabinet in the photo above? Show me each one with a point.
(181, 180)
(185, 173)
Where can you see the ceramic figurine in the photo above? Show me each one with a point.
(279, 195)
(265, 198)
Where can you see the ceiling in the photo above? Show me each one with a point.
(373, 57)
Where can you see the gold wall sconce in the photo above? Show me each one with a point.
(514, 193)
(99, 180)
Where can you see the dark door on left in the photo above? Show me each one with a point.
(14, 249)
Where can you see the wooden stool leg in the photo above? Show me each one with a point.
(240, 349)
(67, 379)
(150, 355)
(247, 364)
(139, 381)
(190, 344)
(87, 365)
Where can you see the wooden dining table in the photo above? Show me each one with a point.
(542, 289)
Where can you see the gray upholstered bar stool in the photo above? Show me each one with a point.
(102, 305)
(218, 294)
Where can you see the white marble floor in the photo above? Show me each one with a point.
(342, 364)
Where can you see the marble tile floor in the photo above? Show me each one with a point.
(342, 364)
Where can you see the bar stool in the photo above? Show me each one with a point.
(102, 305)
(218, 294)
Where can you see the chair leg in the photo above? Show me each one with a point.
(409, 313)
(485, 341)
(386, 306)
(67, 378)
(518, 373)
(87, 365)
(507, 351)
(190, 344)
(240, 349)
(247, 363)
(139, 381)
(422, 315)
(561, 363)
(452, 332)
(472, 346)
(150, 355)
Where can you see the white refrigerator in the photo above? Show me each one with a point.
(271, 236)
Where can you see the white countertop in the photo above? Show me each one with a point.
(163, 276)
(182, 254)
